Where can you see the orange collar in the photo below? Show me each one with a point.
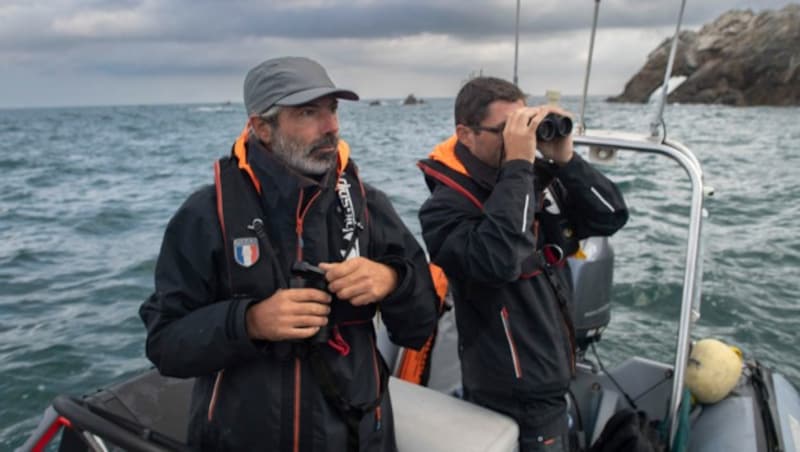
(445, 153)
(240, 152)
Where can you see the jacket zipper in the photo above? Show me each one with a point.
(562, 309)
(299, 217)
(571, 345)
(212, 404)
(377, 384)
(570, 332)
(504, 317)
(297, 394)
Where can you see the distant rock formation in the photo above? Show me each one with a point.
(739, 59)
(411, 100)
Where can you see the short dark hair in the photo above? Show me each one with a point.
(472, 102)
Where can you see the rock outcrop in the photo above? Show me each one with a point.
(741, 58)
(411, 100)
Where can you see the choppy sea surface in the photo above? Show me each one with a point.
(85, 195)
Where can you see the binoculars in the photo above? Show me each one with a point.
(553, 126)
(307, 276)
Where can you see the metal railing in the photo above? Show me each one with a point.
(691, 278)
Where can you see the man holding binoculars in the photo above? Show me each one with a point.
(501, 223)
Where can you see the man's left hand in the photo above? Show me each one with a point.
(359, 280)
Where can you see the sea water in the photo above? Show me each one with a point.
(85, 195)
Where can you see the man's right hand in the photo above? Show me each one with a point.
(288, 314)
(519, 135)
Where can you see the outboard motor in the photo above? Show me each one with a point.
(591, 281)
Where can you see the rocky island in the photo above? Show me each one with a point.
(411, 100)
(741, 58)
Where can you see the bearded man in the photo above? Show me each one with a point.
(268, 281)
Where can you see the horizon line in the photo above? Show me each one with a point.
(230, 102)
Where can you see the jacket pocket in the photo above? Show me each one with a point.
(512, 346)
(212, 404)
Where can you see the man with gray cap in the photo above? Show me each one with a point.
(268, 281)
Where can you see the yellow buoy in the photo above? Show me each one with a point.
(714, 369)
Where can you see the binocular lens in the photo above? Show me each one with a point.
(564, 126)
(553, 126)
(546, 130)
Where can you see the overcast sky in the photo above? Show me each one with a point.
(106, 52)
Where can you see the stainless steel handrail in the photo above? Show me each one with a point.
(686, 159)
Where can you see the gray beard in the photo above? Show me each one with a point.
(301, 158)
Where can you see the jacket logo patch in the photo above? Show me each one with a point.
(350, 223)
(550, 204)
(245, 251)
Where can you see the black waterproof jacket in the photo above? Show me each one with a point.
(484, 228)
(258, 395)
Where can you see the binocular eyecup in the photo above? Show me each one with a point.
(553, 126)
(304, 276)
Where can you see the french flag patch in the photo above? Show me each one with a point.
(245, 251)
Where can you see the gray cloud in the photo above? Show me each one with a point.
(127, 39)
(204, 20)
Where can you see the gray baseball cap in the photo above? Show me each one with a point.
(288, 81)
